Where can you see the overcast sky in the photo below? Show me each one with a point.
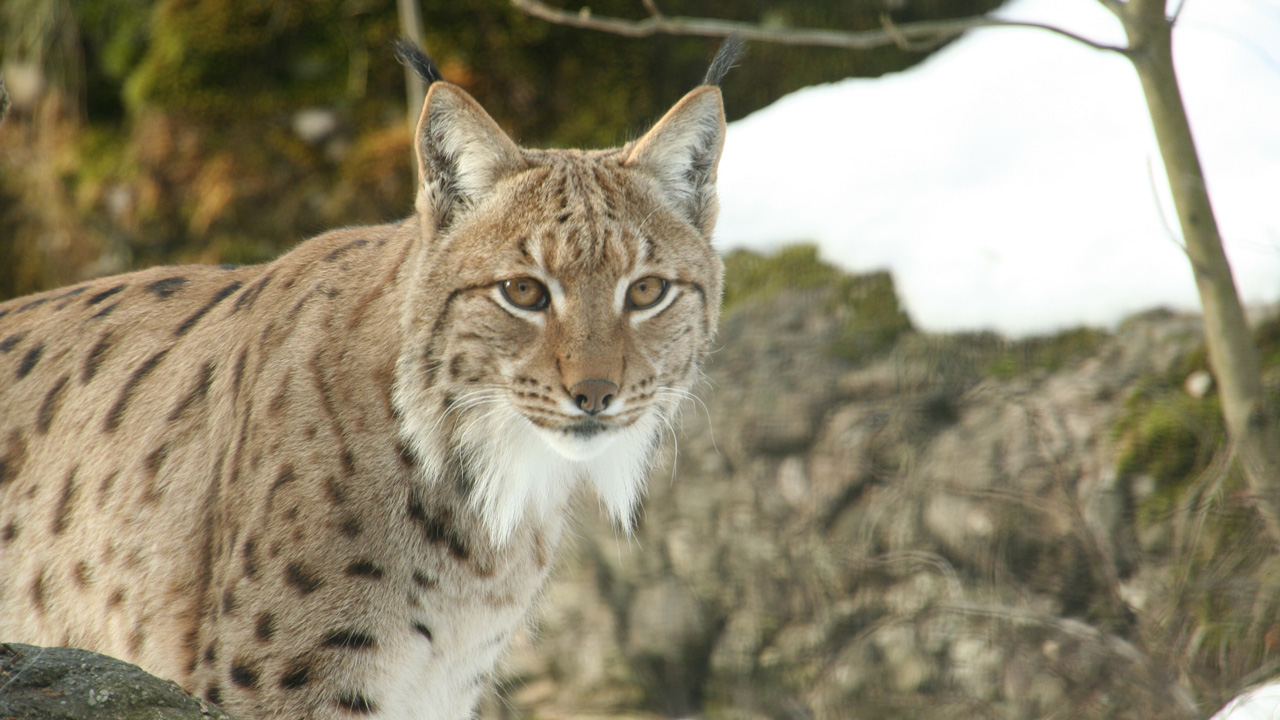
(1011, 181)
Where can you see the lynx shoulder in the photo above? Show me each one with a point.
(333, 484)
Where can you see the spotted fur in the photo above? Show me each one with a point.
(331, 485)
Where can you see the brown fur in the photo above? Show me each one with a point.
(286, 486)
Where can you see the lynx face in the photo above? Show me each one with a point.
(564, 353)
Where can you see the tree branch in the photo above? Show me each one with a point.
(1115, 6)
(913, 36)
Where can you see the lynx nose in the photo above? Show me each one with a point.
(593, 396)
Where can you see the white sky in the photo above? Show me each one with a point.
(1006, 182)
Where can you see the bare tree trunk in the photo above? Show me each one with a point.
(1233, 357)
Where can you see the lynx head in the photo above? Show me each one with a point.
(560, 305)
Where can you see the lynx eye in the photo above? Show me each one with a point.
(525, 293)
(646, 292)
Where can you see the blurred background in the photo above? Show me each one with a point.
(935, 473)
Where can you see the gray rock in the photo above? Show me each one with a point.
(39, 683)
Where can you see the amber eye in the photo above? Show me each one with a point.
(525, 293)
(646, 292)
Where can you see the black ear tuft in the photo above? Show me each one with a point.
(730, 52)
(408, 53)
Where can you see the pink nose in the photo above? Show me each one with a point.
(593, 396)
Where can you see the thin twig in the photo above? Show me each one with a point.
(902, 41)
(927, 33)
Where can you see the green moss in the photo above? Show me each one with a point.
(211, 57)
(1171, 437)
(866, 306)
(749, 275)
(1047, 353)
(103, 158)
(1268, 336)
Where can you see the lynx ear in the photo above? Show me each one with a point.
(461, 154)
(682, 151)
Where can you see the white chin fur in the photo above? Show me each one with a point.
(517, 468)
(576, 448)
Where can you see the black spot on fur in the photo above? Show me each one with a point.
(94, 360)
(165, 288)
(281, 400)
(424, 580)
(249, 296)
(356, 703)
(286, 476)
(350, 526)
(244, 675)
(213, 694)
(155, 459)
(199, 391)
(95, 299)
(194, 318)
(63, 508)
(305, 581)
(65, 297)
(37, 592)
(82, 574)
(239, 372)
(364, 568)
(350, 640)
(335, 491)
(49, 407)
(105, 488)
(295, 676)
(406, 455)
(438, 528)
(250, 559)
(265, 628)
(136, 640)
(15, 453)
(339, 252)
(9, 343)
(228, 602)
(297, 307)
(29, 361)
(211, 654)
(126, 393)
(423, 630)
(31, 304)
(105, 311)
(10, 531)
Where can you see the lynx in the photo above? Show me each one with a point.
(333, 484)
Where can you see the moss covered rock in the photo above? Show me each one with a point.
(41, 683)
